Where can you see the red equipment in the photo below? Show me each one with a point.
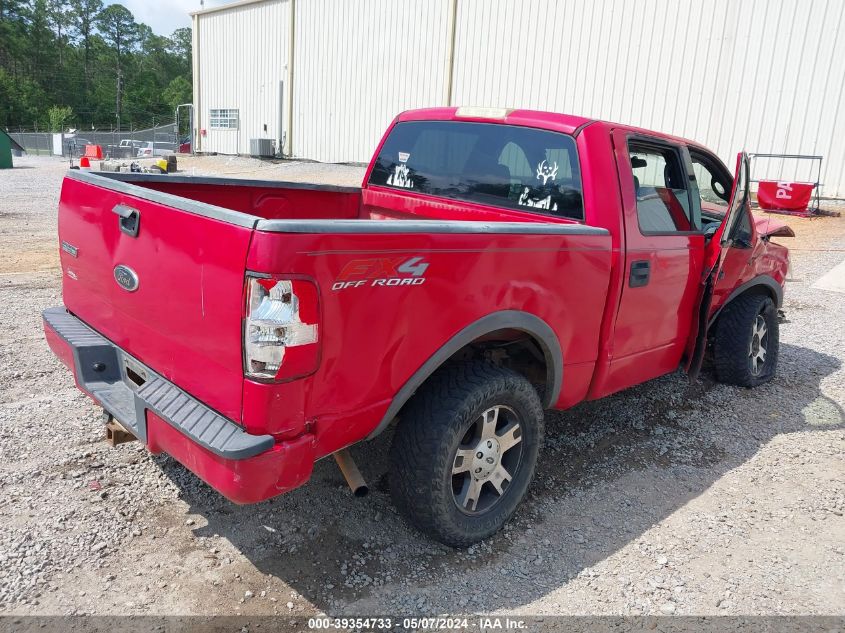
(795, 197)
(94, 151)
(784, 196)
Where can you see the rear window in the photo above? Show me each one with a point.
(501, 165)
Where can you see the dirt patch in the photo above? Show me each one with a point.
(26, 261)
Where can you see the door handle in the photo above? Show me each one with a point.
(640, 273)
(129, 219)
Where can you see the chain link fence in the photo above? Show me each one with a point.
(40, 143)
(154, 141)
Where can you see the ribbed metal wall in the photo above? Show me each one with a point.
(764, 75)
(242, 60)
(357, 64)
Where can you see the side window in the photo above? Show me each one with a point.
(713, 185)
(662, 189)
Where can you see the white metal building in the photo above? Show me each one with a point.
(325, 77)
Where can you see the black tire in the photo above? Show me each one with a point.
(439, 421)
(734, 341)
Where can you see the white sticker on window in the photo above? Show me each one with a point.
(404, 156)
(401, 177)
(525, 200)
(546, 172)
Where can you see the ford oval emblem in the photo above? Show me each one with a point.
(126, 278)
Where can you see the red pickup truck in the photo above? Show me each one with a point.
(493, 263)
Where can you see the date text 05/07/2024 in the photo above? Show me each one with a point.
(479, 623)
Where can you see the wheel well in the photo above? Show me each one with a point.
(761, 288)
(511, 348)
(514, 349)
(515, 339)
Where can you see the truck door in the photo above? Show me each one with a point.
(663, 258)
(724, 250)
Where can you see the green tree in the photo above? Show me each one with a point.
(178, 91)
(83, 18)
(72, 52)
(120, 32)
(59, 16)
(58, 116)
(12, 13)
(180, 49)
(9, 8)
(40, 40)
(21, 101)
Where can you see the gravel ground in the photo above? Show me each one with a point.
(669, 498)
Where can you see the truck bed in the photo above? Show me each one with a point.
(264, 199)
(227, 198)
(199, 239)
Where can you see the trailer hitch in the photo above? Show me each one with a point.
(115, 432)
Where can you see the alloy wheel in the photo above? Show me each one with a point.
(487, 460)
(757, 348)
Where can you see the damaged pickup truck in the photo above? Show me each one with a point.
(494, 263)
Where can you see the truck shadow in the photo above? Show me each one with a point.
(610, 470)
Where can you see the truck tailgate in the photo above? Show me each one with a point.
(184, 317)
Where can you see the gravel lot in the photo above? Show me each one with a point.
(668, 498)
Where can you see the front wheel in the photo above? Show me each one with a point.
(746, 342)
(465, 451)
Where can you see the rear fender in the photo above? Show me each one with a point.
(532, 325)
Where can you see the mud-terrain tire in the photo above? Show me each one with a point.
(467, 428)
(746, 330)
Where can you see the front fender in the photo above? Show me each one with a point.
(768, 282)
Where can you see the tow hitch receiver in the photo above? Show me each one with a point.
(115, 433)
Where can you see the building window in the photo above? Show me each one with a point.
(223, 119)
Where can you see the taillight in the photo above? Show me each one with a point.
(281, 339)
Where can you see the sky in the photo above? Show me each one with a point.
(165, 16)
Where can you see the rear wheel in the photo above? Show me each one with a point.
(465, 451)
(746, 342)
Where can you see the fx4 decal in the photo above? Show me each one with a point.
(381, 271)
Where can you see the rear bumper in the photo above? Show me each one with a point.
(244, 468)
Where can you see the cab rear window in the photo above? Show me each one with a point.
(501, 165)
